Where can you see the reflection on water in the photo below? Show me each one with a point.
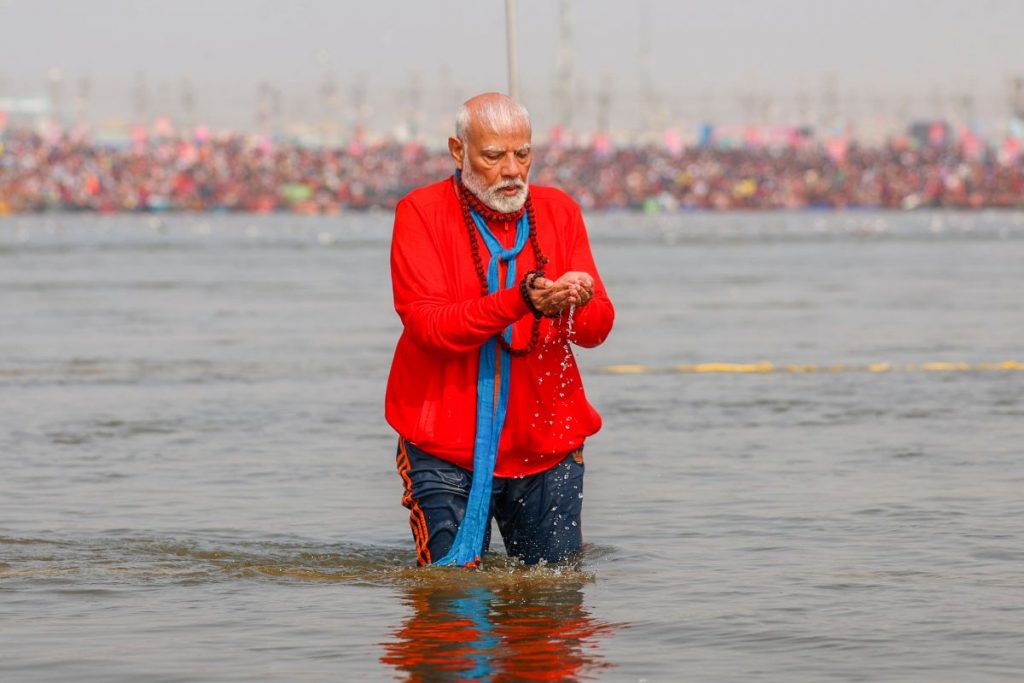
(504, 622)
(513, 632)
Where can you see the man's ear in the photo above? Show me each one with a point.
(457, 151)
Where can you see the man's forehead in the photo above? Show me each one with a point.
(485, 132)
(515, 138)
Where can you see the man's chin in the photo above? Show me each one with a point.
(492, 197)
(503, 203)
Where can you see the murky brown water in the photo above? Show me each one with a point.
(198, 484)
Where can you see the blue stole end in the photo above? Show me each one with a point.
(491, 406)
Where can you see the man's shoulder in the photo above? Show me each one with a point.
(553, 196)
(427, 195)
(561, 209)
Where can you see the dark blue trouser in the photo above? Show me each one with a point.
(538, 515)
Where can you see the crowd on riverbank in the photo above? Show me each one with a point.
(243, 173)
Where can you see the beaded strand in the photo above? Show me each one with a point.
(468, 199)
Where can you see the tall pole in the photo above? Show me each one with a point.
(650, 95)
(564, 90)
(513, 55)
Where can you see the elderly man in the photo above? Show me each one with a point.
(493, 281)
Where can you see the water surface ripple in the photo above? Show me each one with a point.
(198, 483)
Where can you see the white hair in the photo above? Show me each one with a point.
(497, 114)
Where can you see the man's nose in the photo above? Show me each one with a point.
(509, 166)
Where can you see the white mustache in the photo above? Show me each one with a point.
(518, 184)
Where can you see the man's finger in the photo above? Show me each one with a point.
(541, 283)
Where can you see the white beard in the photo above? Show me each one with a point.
(492, 196)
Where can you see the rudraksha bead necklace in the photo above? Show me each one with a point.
(468, 201)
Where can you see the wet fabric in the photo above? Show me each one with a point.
(538, 515)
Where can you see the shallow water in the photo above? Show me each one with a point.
(198, 483)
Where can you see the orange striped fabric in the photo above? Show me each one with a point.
(417, 520)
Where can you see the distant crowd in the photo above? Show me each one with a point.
(240, 173)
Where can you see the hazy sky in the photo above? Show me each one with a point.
(226, 47)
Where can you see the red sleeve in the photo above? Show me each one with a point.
(593, 322)
(424, 299)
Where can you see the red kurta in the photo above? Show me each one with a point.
(431, 393)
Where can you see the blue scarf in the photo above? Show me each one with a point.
(490, 418)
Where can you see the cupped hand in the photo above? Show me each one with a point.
(554, 296)
(581, 286)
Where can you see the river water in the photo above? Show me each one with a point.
(198, 484)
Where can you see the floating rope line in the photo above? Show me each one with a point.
(766, 368)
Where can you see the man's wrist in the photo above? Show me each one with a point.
(525, 285)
